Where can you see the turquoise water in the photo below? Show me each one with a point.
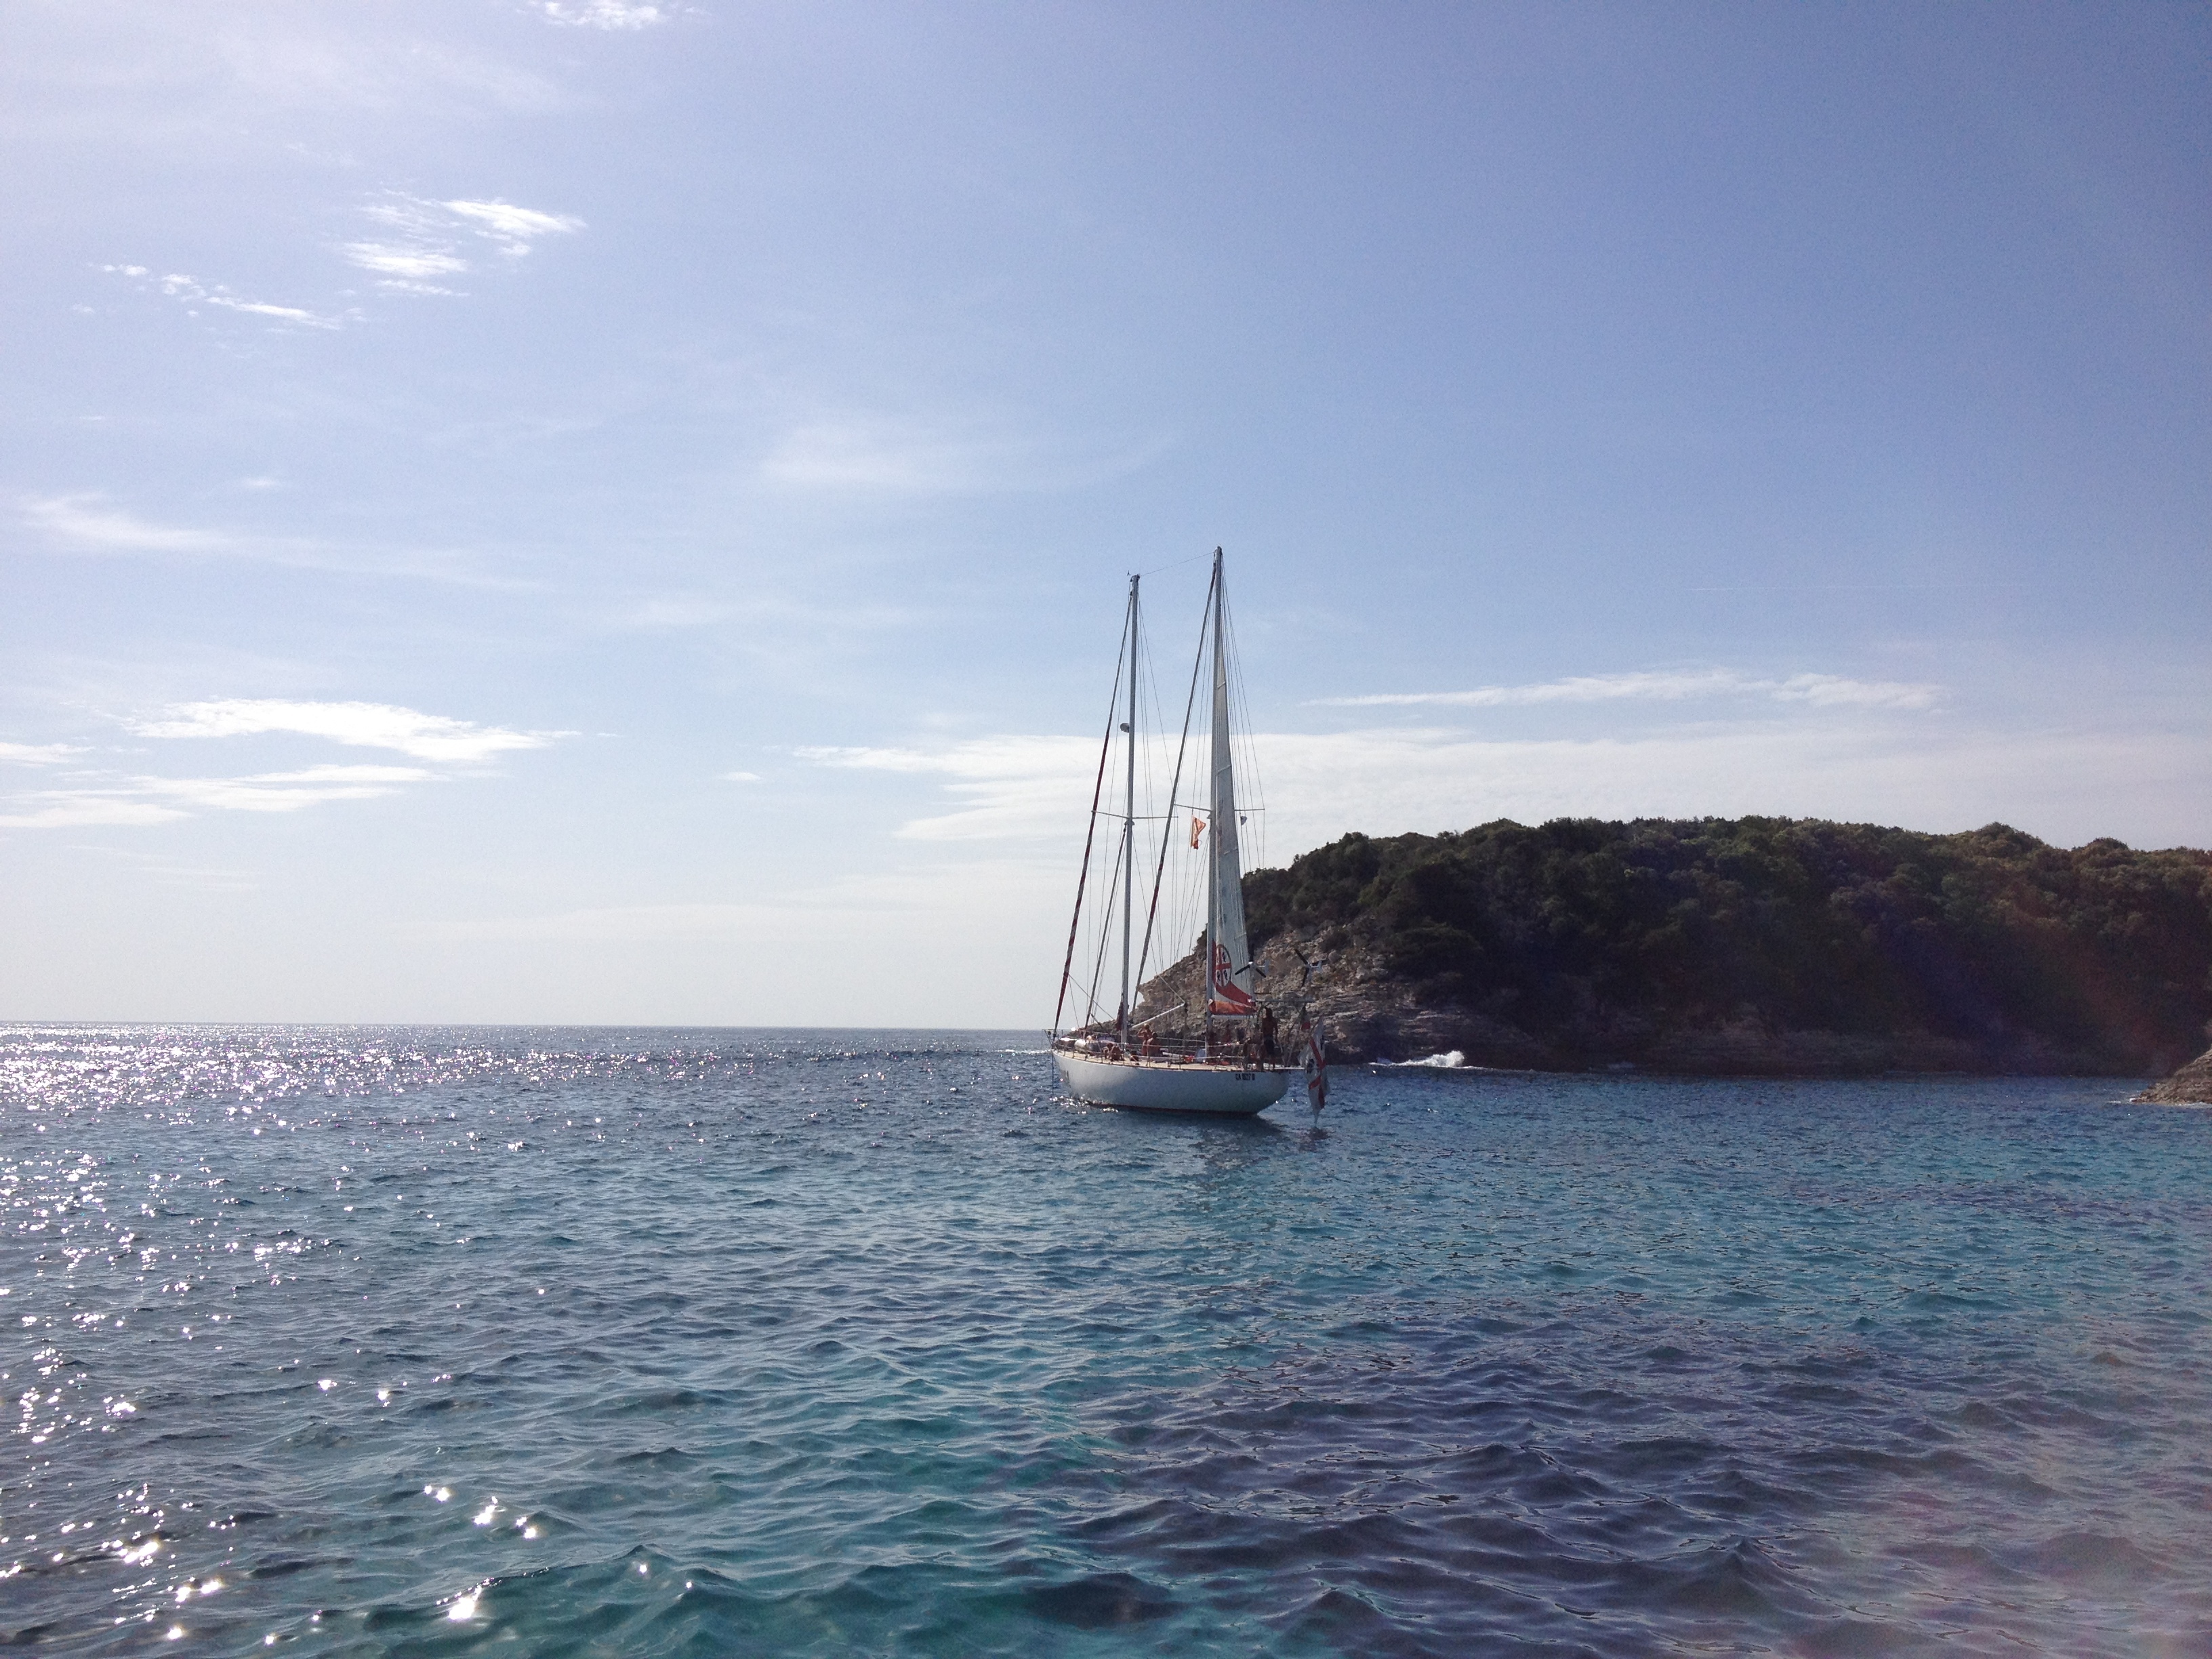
(569, 1341)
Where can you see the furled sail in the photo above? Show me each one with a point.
(1231, 976)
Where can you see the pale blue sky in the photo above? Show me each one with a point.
(602, 512)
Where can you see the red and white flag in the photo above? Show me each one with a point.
(1224, 994)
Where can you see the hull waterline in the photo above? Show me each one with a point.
(1159, 1086)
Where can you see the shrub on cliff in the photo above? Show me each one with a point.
(1990, 937)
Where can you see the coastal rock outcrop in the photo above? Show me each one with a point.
(2190, 1086)
(1752, 945)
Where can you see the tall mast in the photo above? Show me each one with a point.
(1129, 820)
(1213, 816)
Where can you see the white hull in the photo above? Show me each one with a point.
(1162, 1087)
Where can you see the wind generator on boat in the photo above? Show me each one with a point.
(1228, 1054)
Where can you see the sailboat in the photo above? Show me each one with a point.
(1224, 1057)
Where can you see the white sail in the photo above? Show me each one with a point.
(1138, 1066)
(1231, 977)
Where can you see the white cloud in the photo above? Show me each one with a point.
(146, 799)
(286, 792)
(413, 264)
(365, 725)
(741, 777)
(2151, 787)
(2069, 786)
(423, 242)
(84, 521)
(513, 227)
(37, 754)
(1015, 786)
(426, 239)
(84, 809)
(189, 291)
(604, 14)
(1831, 690)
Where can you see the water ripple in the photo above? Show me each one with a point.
(435, 1340)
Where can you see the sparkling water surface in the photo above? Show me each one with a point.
(573, 1341)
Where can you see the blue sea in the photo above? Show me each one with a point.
(567, 1341)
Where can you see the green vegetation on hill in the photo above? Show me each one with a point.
(1582, 941)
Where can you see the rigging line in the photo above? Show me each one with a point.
(1089, 993)
(1105, 748)
(1177, 564)
(1190, 702)
(1105, 939)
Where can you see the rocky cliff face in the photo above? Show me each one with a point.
(1747, 946)
(1369, 1012)
(2190, 1086)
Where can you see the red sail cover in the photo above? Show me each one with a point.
(1224, 995)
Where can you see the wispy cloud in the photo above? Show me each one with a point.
(671, 610)
(364, 724)
(89, 524)
(512, 228)
(414, 266)
(1827, 690)
(857, 455)
(287, 791)
(190, 292)
(38, 754)
(1013, 785)
(79, 809)
(602, 14)
(424, 241)
(139, 800)
(417, 246)
(871, 455)
(113, 799)
(1318, 785)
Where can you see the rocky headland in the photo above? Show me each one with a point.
(2190, 1086)
(1753, 945)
